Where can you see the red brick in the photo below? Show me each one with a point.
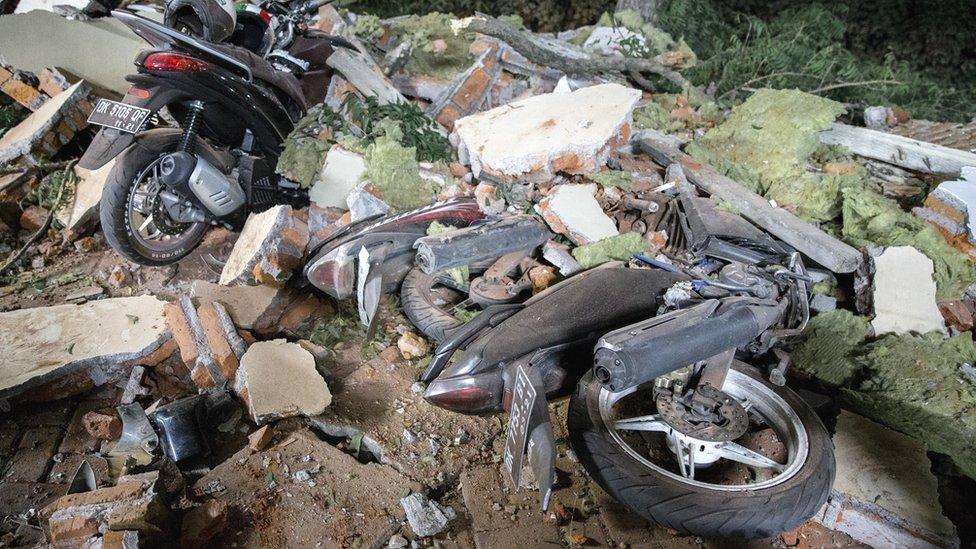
(103, 425)
(180, 328)
(33, 218)
(219, 346)
(448, 116)
(472, 91)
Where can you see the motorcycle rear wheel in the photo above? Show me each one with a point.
(741, 505)
(122, 223)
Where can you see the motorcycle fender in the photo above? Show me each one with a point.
(109, 142)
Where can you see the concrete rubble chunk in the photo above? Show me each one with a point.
(951, 207)
(362, 203)
(78, 346)
(42, 134)
(259, 440)
(100, 51)
(568, 132)
(341, 172)
(572, 210)
(134, 504)
(246, 305)
(271, 245)
(412, 345)
(277, 379)
(81, 212)
(560, 256)
(425, 516)
(362, 71)
(884, 494)
(904, 293)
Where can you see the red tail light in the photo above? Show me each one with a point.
(174, 62)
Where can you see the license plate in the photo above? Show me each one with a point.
(519, 419)
(120, 116)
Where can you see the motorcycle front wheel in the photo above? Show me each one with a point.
(768, 481)
(133, 218)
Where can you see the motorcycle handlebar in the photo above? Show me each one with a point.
(312, 6)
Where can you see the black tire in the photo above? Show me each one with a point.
(418, 304)
(698, 510)
(113, 208)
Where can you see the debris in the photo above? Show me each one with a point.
(181, 427)
(900, 151)
(426, 517)
(488, 198)
(259, 440)
(341, 172)
(904, 293)
(823, 303)
(542, 277)
(571, 133)
(250, 307)
(102, 425)
(483, 241)
(412, 346)
(615, 248)
(879, 379)
(363, 204)
(71, 348)
(572, 210)
(226, 346)
(20, 87)
(81, 213)
(468, 91)
(270, 246)
(951, 208)
(46, 130)
(957, 314)
(278, 379)
(32, 218)
(133, 386)
(818, 245)
(132, 504)
(879, 118)
(884, 493)
(201, 525)
(393, 171)
(184, 322)
(560, 256)
(364, 74)
(100, 52)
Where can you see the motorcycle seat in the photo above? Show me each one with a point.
(262, 70)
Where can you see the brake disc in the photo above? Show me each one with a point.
(729, 419)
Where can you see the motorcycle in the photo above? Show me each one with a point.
(169, 185)
(662, 413)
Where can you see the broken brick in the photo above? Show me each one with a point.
(216, 337)
(102, 425)
(957, 314)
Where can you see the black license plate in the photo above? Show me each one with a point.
(519, 419)
(120, 116)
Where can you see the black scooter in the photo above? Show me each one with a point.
(169, 185)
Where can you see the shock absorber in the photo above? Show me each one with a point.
(190, 126)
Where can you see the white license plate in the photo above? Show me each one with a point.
(120, 116)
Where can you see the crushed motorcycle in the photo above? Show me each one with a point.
(170, 184)
(664, 412)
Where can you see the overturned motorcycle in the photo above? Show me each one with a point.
(662, 414)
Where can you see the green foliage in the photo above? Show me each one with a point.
(368, 27)
(54, 191)
(11, 115)
(421, 31)
(542, 15)
(408, 124)
(805, 46)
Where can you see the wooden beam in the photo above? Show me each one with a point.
(900, 151)
(809, 240)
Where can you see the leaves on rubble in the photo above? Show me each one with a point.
(404, 122)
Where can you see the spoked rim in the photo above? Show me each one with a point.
(764, 406)
(151, 226)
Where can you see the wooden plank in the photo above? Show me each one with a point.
(901, 151)
(809, 240)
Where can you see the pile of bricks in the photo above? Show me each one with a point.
(31, 90)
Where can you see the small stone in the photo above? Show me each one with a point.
(32, 218)
(418, 387)
(823, 303)
(542, 277)
(489, 202)
(438, 46)
(397, 542)
(458, 170)
(101, 425)
(118, 276)
(426, 517)
(86, 244)
(363, 204)
(412, 346)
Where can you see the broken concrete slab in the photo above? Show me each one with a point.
(66, 349)
(271, 245)
(277, 379)
(904, 293)
(568, 132)
(46, 130)
(81, 211)
(100, 51)
(572, 210)
(341, 172)
(884, 494)
(425, 516)
(248, 306)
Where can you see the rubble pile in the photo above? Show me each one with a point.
(263, 390)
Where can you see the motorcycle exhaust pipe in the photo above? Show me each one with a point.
(191, 175)
(639, 353)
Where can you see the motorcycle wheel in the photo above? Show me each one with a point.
(426, 309)
(728, 498)
(133, 220)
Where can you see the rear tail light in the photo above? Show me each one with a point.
(174, 62)
(477, 394)
(334, 273)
